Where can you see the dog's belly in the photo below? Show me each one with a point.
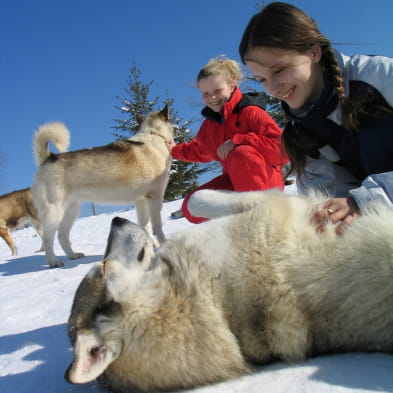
(109, 195)
(19, 222)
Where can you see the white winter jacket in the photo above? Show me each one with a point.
(321, 173)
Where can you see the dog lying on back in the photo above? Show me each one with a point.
(257, 284)
(16, 210)
(133, 170)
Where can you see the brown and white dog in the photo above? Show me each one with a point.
(16, 210)
(133, 170)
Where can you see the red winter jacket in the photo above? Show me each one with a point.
(249, 126)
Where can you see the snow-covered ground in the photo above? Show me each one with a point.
(35, 304)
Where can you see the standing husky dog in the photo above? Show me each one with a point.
(17, 209)
(135, 169)
(255, 285)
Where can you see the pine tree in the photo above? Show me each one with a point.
(274, 109)
(136, 104)
(183, 175)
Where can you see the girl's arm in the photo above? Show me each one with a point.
(345, 210)
(197, 150)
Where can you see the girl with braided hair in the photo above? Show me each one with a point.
(237, 132)
(339, 135)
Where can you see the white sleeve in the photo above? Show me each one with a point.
(378, 186)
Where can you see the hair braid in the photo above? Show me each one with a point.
(337, 78)
(349, 108)
(357, 106)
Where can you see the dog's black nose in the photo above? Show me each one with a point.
(118, 221)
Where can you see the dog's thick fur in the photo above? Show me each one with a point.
(256, 285)
(134, 170)
(16, 210)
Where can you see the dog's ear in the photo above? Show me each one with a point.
(91, 358)
(139, 118)
(165, 113)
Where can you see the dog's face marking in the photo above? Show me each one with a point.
(128, 242)
(128, 255)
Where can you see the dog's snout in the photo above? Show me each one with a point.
(118, 221)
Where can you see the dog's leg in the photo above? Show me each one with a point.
(47, 197)
(155, 207)
(70, 214)
(6, 235)
(49, 215)
(49, 231)
(36, 225)
(142, 213)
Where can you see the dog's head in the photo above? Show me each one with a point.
(158, 123)
(110, 289)
(127, 257)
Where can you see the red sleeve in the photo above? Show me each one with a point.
(263, 134)
(200, 149)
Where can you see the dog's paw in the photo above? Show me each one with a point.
(55, 264)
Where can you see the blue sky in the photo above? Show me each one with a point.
(68, 60)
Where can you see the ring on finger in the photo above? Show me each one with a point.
(330, 210)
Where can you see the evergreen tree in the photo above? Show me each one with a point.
(136, 104)
(183, 175)
(274, 109)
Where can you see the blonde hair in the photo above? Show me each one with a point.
(229, 69)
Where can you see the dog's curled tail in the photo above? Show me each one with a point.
(55, 132)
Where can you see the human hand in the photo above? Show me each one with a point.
(335, 210)
(225, 148)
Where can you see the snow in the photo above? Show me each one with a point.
(36, 301)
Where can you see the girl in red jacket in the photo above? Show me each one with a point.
(236, 133)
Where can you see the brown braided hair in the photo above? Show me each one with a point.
(284, 26)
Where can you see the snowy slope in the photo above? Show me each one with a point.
(35, 303)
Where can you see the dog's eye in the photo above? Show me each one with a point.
(141, 255)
